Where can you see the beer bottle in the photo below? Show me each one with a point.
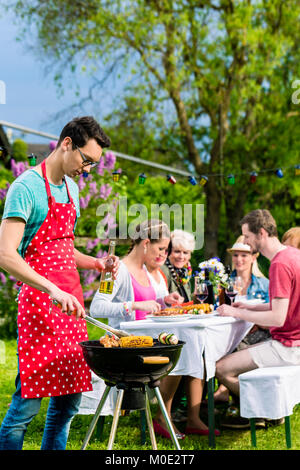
(106, 279)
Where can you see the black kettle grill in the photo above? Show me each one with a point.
(131, 371)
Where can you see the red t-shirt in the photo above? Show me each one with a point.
(284, 275)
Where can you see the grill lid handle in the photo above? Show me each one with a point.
(154, 359)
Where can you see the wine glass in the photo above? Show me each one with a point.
(231, 290)
(238, 282)
(201, 290)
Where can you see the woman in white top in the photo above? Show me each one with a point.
(133, 294)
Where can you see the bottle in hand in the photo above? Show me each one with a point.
(106, 279)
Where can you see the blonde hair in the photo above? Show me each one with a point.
(186, 240)
(254, 269)
(293, 235)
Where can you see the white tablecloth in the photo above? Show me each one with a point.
(214, 335)
(269, 392)
(90, 400)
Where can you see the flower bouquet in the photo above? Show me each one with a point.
(217, 275)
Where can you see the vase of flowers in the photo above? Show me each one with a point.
(217, 274)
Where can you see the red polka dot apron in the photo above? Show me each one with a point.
(51, 362)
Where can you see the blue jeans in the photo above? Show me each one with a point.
(60, 412)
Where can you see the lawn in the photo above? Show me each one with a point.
(128, 432)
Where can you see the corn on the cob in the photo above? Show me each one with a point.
(136, 341)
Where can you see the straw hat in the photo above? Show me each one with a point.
(239, 245)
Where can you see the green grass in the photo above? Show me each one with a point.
(128, 435)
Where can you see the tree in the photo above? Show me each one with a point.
(218, 73)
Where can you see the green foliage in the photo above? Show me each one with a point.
(157, 191)
(5, 177)
(210, 80)
(20, 150)
(8, 307)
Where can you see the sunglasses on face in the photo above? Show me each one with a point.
(86, 161)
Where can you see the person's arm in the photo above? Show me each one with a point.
(173, 298)
(11, 233)
(274, 317)
(259, 307)
(89, 262)
(103, 306)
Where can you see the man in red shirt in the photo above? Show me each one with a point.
(281, 315)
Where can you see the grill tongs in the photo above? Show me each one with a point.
(98, 323)
(101, 325)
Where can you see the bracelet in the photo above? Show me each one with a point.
(126, 308)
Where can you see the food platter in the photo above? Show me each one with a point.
(170, 318)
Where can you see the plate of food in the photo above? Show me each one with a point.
(199, 309)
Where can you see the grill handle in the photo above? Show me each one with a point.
(154, 359)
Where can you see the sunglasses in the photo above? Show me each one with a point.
(86, 161)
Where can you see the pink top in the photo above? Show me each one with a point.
(142, 293)
(284, 277)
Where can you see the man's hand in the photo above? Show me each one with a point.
(67, 303)
(227, 311)
(110, 263)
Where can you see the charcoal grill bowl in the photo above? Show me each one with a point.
(126, 365)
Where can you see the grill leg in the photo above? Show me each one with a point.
(150, 423)
(167, 419)
(95, 418)
(115, 419)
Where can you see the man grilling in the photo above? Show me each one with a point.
(37, 248)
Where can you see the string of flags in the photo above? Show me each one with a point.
(203, 179)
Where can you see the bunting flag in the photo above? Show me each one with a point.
(202, 179)
(231, 178)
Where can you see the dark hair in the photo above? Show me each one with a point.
(82, 129)
(260, 218)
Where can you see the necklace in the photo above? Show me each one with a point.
(180, 275)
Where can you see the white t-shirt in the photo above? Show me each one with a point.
(159, 287)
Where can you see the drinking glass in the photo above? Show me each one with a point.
(201, 290)
(238, 282)
(231, 290)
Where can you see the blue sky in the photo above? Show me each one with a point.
(31, 96)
